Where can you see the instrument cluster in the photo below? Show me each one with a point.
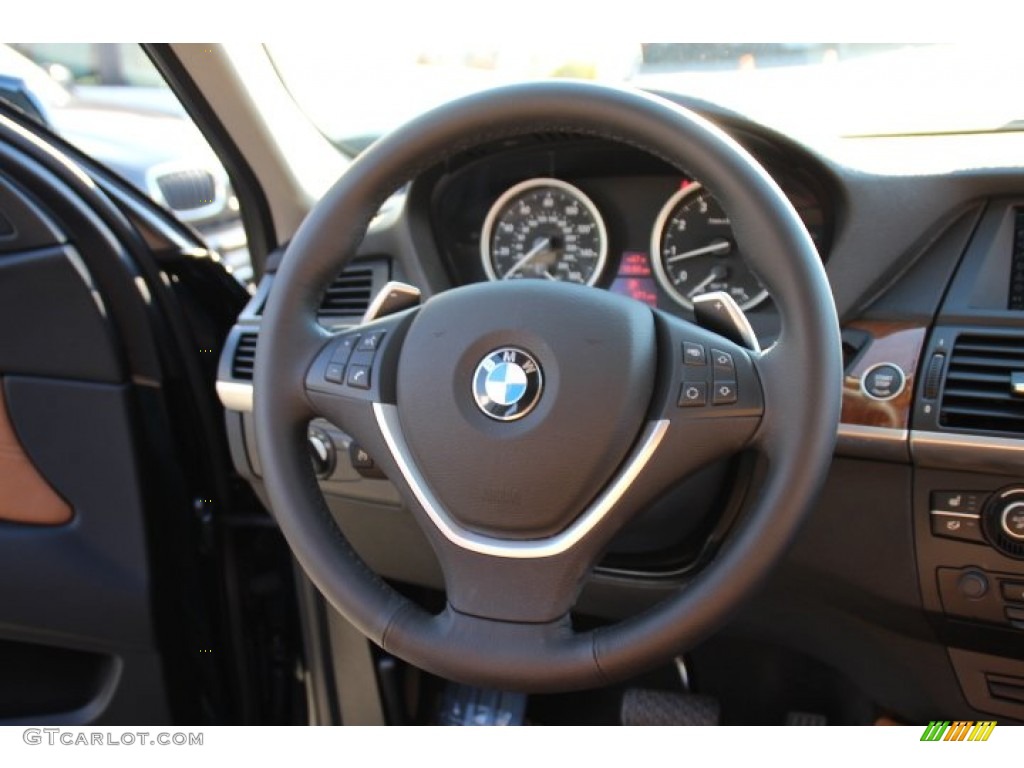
(617, 220)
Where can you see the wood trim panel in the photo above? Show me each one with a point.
(897, 343)
(25, 495)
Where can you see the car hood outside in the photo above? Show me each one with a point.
(133, 141)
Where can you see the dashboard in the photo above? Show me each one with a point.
(914, 558)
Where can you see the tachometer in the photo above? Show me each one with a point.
(694, 251)
(546, 229)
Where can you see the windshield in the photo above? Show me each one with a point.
(806, 89)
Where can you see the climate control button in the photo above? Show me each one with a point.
(957, 525)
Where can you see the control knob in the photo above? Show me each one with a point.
(1003, 520)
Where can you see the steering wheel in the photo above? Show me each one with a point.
(524, 422)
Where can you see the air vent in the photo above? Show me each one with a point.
(245, 357)
(1016, 301)
(349, 295)
(978, 393)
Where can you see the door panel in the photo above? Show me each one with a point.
(85, 580)
(158, 591)
(75, 597)
(77, 638)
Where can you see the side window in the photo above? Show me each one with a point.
(109, 101)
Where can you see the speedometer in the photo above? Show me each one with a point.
(694, 251)
(546, 229)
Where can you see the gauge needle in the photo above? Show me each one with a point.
(538, 248)
(716, 274)
(722, 246)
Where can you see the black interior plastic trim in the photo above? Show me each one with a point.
(61, 329)
(321, 694)
(23, 225)
(42, 680)
(917, 288)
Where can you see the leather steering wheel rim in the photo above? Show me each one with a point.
(800, 379)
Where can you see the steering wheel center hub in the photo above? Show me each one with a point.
(520, 400)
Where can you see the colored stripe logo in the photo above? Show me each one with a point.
(960, 730)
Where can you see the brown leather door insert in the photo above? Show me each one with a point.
(25, 496)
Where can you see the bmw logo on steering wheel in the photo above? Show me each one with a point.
(507, 384)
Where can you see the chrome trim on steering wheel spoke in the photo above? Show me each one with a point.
(391, 430)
